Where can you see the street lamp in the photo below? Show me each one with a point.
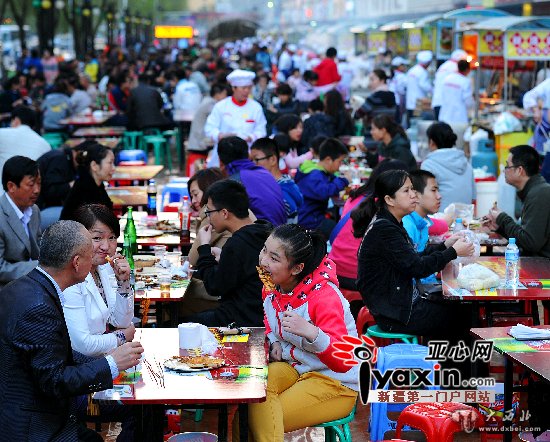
(110, 16)
(88, 41)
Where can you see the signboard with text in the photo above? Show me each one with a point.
(162, 31)
(528, 45)
(377, 40)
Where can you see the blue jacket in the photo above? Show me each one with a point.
(417, 229)
(317, 187)
(266, 197)
(292, 197)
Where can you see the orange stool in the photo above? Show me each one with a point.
(435, 419)
(364, 318)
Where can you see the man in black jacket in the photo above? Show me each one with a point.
(39, 373)
(231, 273)
(145, 107)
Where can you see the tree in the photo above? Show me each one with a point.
(76, 20)
(19, 15)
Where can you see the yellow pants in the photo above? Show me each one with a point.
(295, 402)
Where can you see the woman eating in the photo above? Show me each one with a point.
(96, 164)
(304, 314)
(389, 266)
(99, 311)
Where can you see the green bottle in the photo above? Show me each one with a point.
(130, 230)
(127, 251)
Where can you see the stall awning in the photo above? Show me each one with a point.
(475, 12)
(513, 22)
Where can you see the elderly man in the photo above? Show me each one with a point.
(237, 115)
(20, 137)
(19, 218)
(39, 373)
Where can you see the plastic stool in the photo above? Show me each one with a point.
(338, 427)
(132, 155)
(132, 140)
(173, 192)
(434, 419)
(193, 437)
(377, 332)
(392, 357)
(160, 148)
(54, 139)
(364, 318)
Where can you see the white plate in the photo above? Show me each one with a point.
(142, 233)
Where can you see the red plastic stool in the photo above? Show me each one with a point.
(435, 420)
(351, 295)
(364, 318)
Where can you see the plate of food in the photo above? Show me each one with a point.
(193, 363)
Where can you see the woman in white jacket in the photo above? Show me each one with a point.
(94, 306)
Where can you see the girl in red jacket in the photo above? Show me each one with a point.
(304, 314)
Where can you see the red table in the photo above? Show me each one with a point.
(163, 343)
(111, 143)
(533, 360)
(534, 274)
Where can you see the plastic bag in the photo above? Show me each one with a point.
(472, 238)
(506, 123)
(459, 210)
(477, 277)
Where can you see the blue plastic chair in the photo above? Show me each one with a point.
(172, 193)
(392, 357)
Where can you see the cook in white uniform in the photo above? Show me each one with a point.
(237, 115)
(445, 69)
(398, 83)
(418, 81)
(459, 98)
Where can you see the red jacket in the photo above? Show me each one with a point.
(327, 71)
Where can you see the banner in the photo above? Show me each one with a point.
(428, 38)
(397, 41)
(490, 42)
(444, 39)
(415, 40)
(377, 40)
(528, 45)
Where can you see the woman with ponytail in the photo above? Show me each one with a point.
(304, 313)
(389, 266)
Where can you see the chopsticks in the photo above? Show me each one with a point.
(158, 376)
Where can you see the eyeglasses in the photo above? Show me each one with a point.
(257, 160)
(511, 167)
(208, 212)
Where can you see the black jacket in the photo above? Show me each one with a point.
(388, 263)
(85, 191)
(144, 108)
(235, 278)
(39, 373)
(57, 171)
(399, 149)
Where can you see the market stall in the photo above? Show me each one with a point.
(502, 46)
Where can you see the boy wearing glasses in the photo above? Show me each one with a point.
(230, 274)
(264, 152)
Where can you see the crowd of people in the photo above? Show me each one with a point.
(268, 131)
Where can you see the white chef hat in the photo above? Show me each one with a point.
(424, 57)
(459, 54)
(240, 77)
(399, 61)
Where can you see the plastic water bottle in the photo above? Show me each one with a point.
(458, 225)
(512, 264)
(152, 198)
(355, 175)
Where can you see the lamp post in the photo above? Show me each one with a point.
(86, 22)
(110, 16)
(45, 23)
